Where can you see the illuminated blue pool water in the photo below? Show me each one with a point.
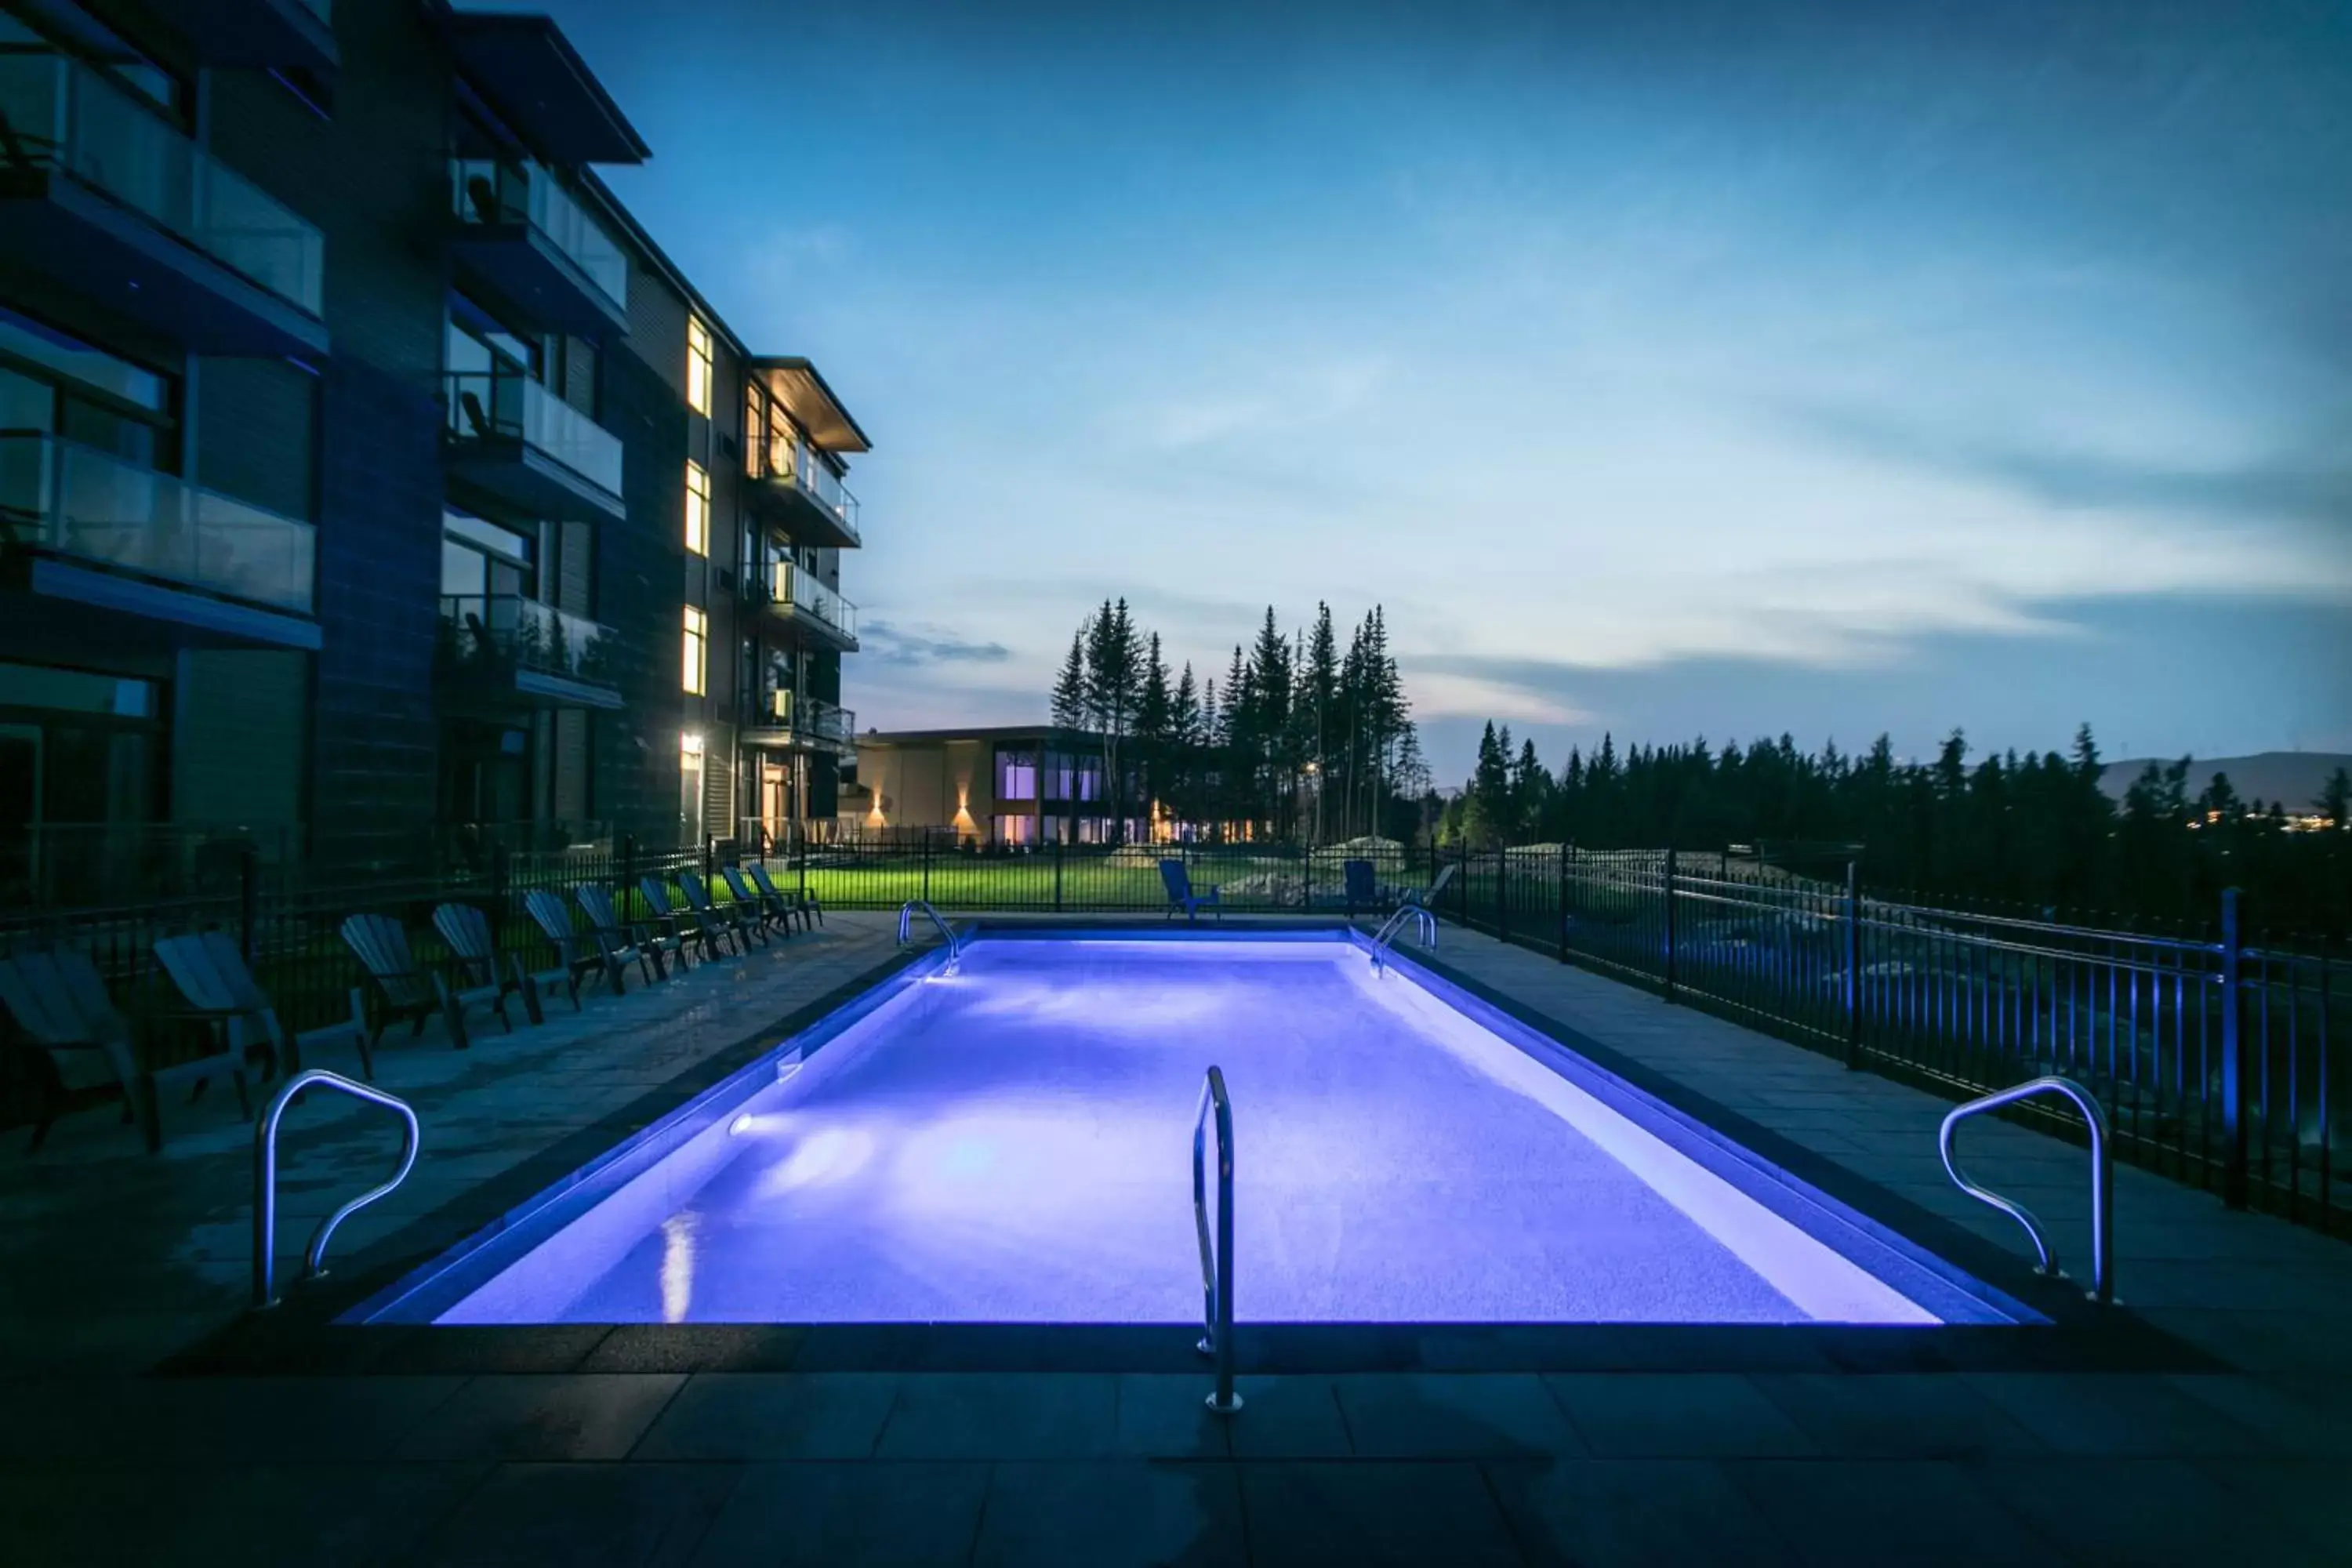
(1012, 1144)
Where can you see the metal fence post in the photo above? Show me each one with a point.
(927, 864)
(1503, 894)
(1670, 925)
(2234, 1047)
(1853, 966)
(623, 862)
(248, 874)
(1058, 847)
(1564, 851)
(709, 856)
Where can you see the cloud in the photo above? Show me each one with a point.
(921, 643)
(2284, 486)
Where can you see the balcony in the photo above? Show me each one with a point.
(513, 439)
(297, 35)
(522, 234)
(785, 722)
(812, 611)
(505, 649)
(793, 489)
(175, 563)
(109, 199)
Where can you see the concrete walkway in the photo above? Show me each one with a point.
(111, 1260)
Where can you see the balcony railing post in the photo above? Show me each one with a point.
(2233, 1057)
(1670, 926)
(1853, 966)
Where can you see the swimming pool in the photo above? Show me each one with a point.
(1011, 1143)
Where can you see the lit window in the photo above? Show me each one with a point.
(755, 421)
(698, 509)
(698, 367)
(691, 668)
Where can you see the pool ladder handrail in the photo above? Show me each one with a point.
(906, 931)
(1384, 940)
(264, 1176)
(1217, 1264)
(2103, 1177)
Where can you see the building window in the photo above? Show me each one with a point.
(1016, 774)
(755, 423)
(1016, 830)
(698, 509)
(689, 787)
(691, 667)
(698, 367)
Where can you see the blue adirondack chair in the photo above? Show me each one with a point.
(1182, 895)
(1363, 890)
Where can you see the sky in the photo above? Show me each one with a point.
(1723, 369)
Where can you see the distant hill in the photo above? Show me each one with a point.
(2293, 779)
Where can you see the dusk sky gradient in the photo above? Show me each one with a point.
(1718, 369)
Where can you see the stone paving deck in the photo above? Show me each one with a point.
(110, 1260)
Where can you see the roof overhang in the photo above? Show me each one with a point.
(794, 383)
(528, 71)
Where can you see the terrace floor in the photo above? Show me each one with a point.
(466, 1446)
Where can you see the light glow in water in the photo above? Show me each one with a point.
(1014, 1146)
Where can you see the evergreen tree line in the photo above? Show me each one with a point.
(2029, 831)
(1301, 742)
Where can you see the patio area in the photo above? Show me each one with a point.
(650, 1445)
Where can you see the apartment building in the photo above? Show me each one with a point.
(367, 473)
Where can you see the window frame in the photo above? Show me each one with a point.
(698, 509)
(694, 653)
(701, 366)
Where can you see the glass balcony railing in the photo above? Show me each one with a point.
(789, 461)
(810, 716)
(510, 629)
(487, 192)
(491, 405)
(75, 500)
(794, 589)
(67, 117)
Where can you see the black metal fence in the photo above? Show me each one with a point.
(2221, 1060)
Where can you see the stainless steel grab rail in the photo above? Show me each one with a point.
(1217, 1265)
(2103, 1177)
(264, 1176)
(907, 930)
(1384, 940)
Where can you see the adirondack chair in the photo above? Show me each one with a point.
(1427, 897)
(803, 904)
(60, 1005)
(771, 911)
(684, 925)
(209, 972)
(1183, 896)
(620, 942)
(1362, 886)
(740, 925)
(465, 931)
(406, 989)
(575, 958)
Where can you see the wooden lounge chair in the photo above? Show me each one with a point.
(576, 957)
(405, 987)
(60, 1005)
(771, 911)
(466, 930)
(740, 923)
(683, 925)
(208, 971)
(803, 904)
(621, 942)
(1181, 895)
